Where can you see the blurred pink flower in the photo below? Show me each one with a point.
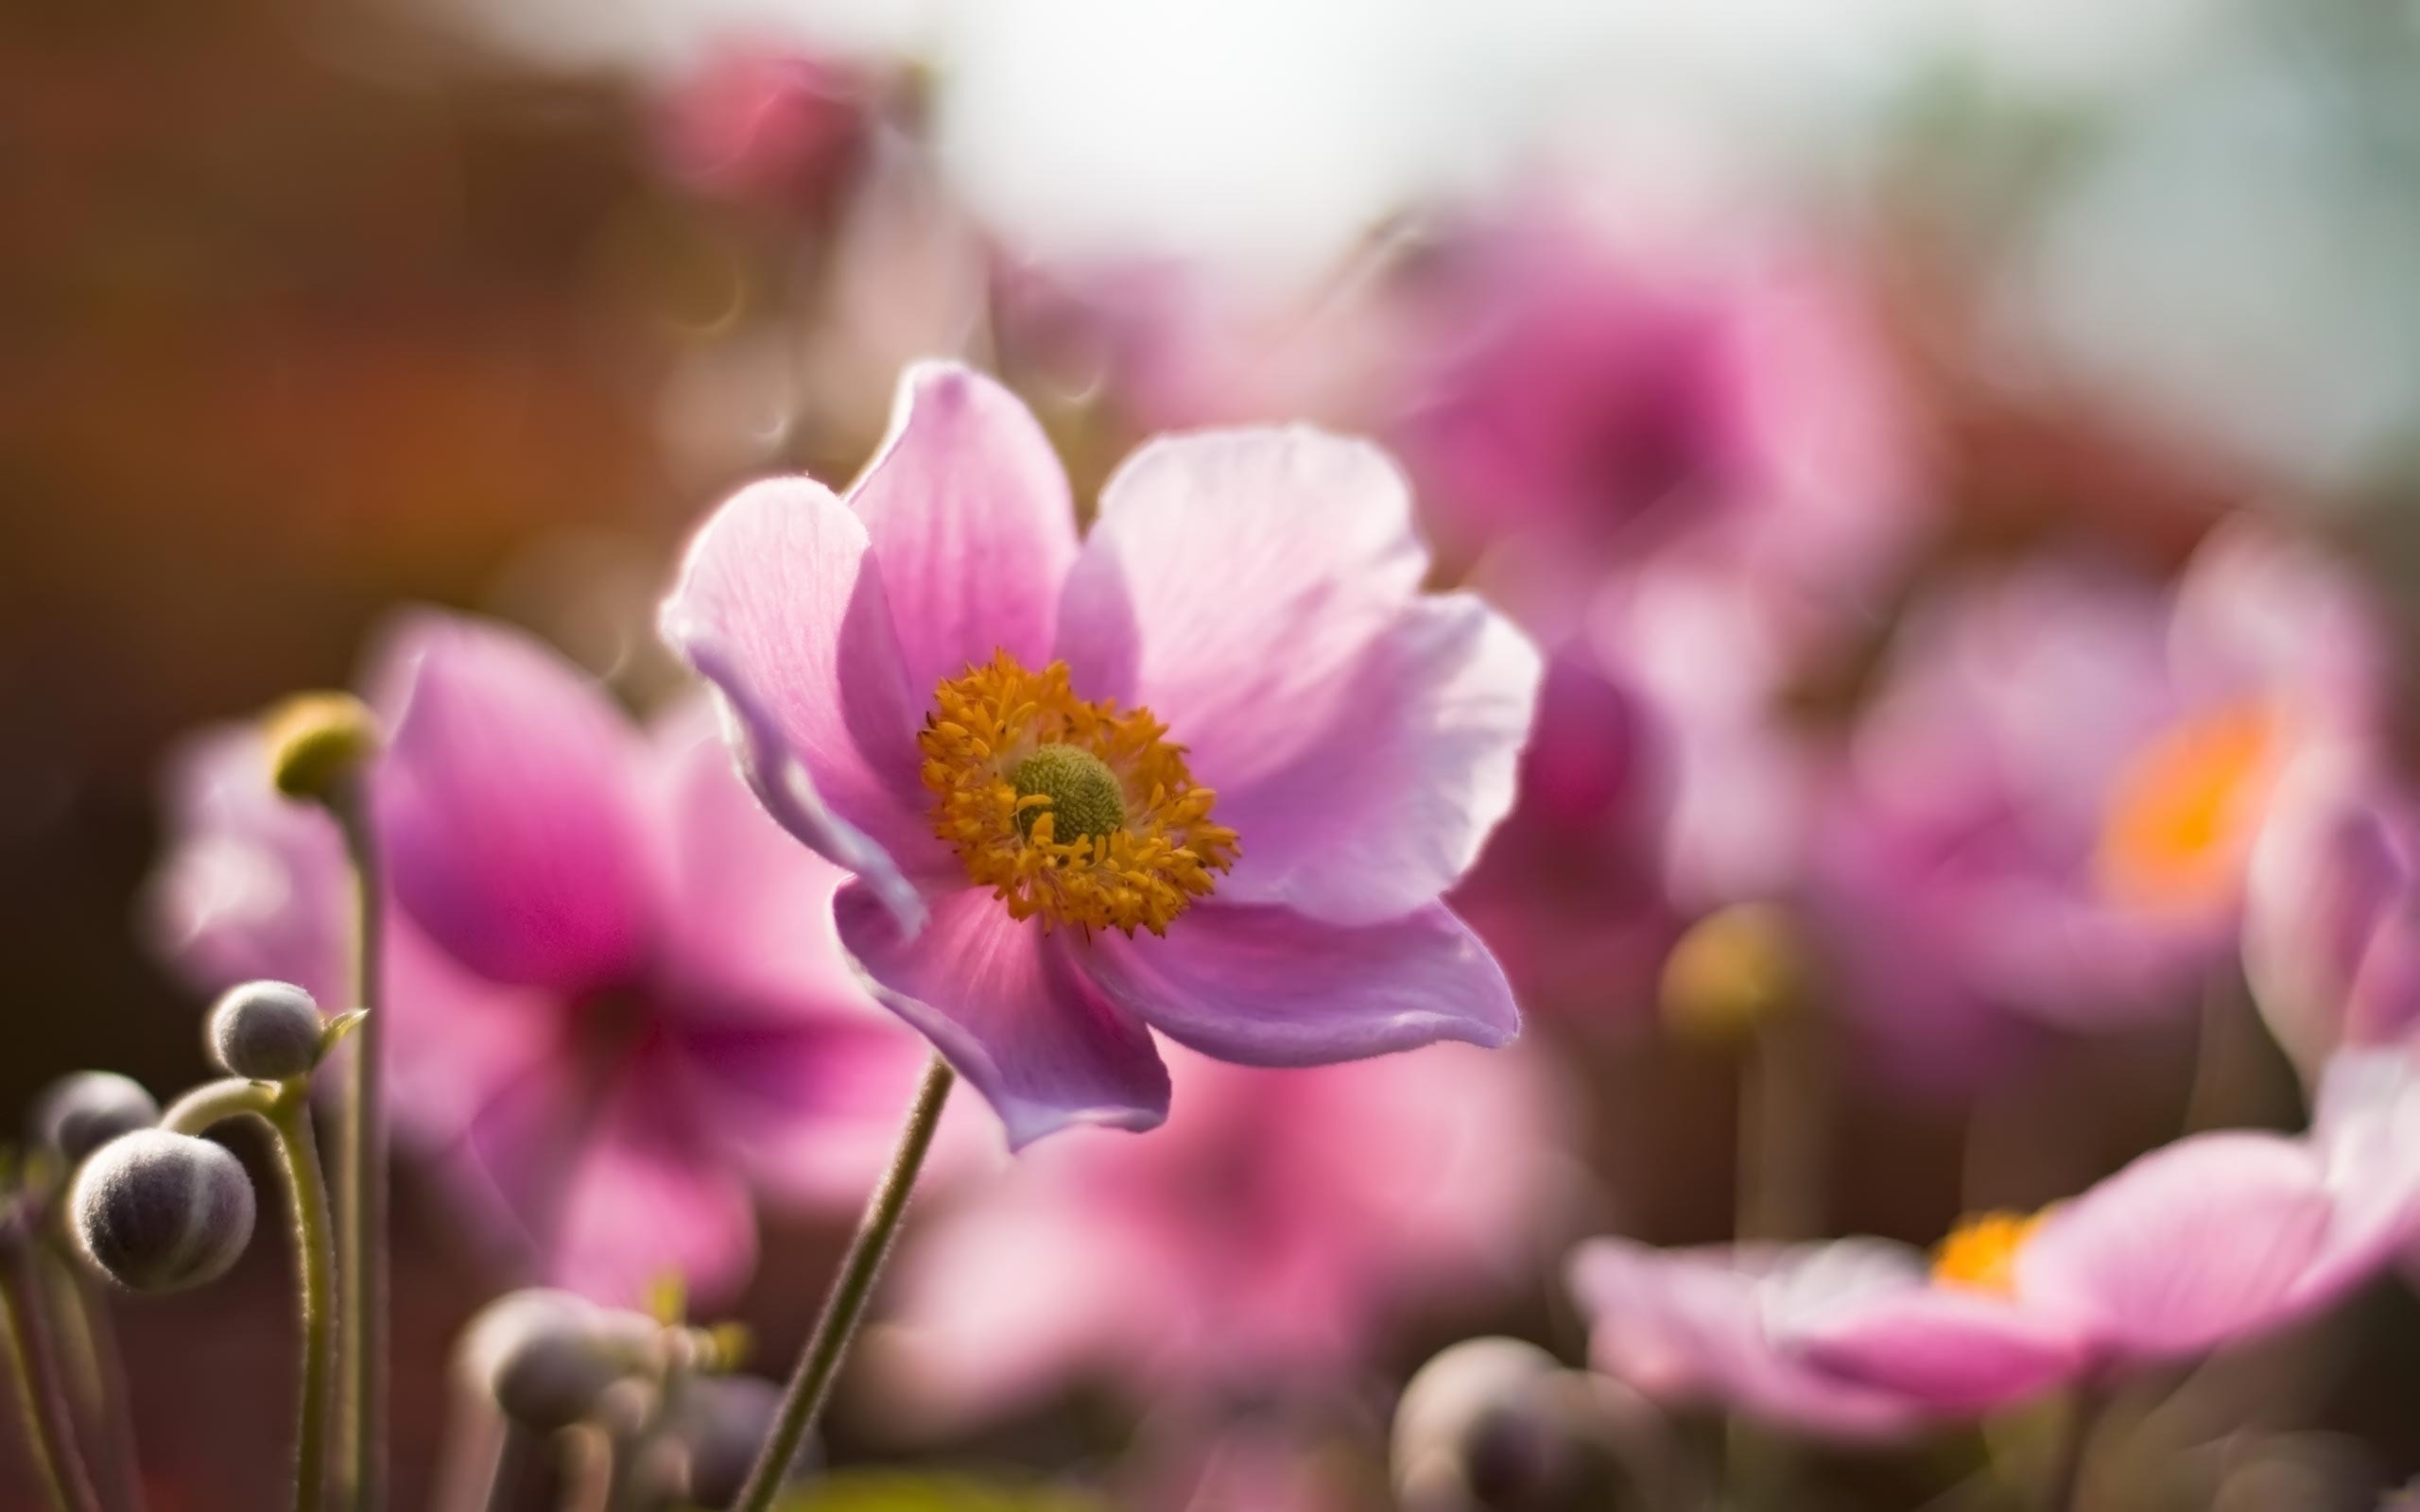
(2332, 906)
(615, 1003)
(765, 124)
(1592, 403)
(1265, 1235)
(2053, 796)
(2213, 1241)
(928, 677)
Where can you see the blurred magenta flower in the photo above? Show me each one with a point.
(934, 683)
(2213, 1241)
(766, 125)
(2052, 798)
(1267, 1233)
(1592, 401)
(618, 998)
(2329, 942)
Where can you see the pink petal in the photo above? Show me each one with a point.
(2201, 1244)
(1417, 757)
(1234, 581)
(2365, 1130)
(1688, 1327)
(601, 1171)
(782, 606)
(509, 805)
(1008, 1008)
(1958, 1352)
(253, 886)
(1268, 987)
(970, 521)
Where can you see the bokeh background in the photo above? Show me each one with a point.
(308, 309)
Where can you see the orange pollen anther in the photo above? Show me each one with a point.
(2180, 821)
(1981, 1253)
(1067, 809)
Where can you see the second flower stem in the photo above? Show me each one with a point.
(844, 1309)
(361, 1177)
(36, 1357)
(315, 1258)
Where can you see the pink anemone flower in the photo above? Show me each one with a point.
(2213, 1241)
(2056, 790)
(1268, 1231)
(1204, 771)
(617, 1000)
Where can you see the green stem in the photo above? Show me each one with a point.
(361, 1177)
(101, 1379)
(2062, 1480)
(820, 1362)
(34, 1355)
(315, 1257)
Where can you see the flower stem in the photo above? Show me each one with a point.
(2063, 1479)
(820, 1362)
(315, 1262)
(101, 1377)
(361, 1177)
(34, 1355)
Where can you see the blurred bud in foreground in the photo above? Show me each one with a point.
(267, 1031)
(318, 741)
(551, 1359)
(1499, 1425)
(1735, 970)
(157, 1211)
(81, 1112)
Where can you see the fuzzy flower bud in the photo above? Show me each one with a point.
(317, 740)
(81, 1112)
(157, 1211)
(266, 1031)
(1499, 1425)
(1733, 972)
(561, 1366)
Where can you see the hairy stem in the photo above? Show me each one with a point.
(315, 1263)
(34, 1355)
(828, 1346)
(361, 1178)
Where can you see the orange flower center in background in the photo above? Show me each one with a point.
(1981, 1253)
(2180, 823)
(1067, 809)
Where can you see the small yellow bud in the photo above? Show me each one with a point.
(1734, 970)
(316, 740)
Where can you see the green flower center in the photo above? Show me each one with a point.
(1084, 794)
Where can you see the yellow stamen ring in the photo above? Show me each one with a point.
(1067, 809)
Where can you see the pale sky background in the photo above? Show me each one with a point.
(2215, 257)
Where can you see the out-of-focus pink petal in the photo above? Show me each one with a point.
(454, 1038)
(1010, 1009)
(2365, 1130)
(1956, 1351)
(1002, 1302)
(253, 886)
(596, 1167)
(2324, 873)
(2264, 613)
(1688, 1327)
(2205, 1241)
(782, 606)
(1415, 762)
(1234, 582)
(970, 521)
(509, 805)
(1268, 987)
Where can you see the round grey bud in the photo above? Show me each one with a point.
(157, 1211)
(561, 1366)
(1497, 1425)
(268, 1031)
(80, 1112)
